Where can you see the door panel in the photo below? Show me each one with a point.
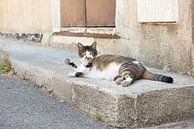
(100, 12)
(72, 13)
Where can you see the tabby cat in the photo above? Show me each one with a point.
(123, 70)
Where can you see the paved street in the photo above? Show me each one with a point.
(24, 107)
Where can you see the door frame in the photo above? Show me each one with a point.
(56, 15)
(85, 31)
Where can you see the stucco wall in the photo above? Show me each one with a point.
(193, 21)
(25, 16)
(165, 46)
(193, 37)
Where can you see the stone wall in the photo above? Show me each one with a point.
(35, 37)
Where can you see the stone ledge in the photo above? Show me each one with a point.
(145, 103)
(87, 34)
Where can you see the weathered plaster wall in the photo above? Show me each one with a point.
(193, 37)
(166, 46)
(193, 21)
(25, 16)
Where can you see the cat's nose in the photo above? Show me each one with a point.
(88, 58)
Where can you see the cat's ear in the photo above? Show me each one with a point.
(80, 46)
(94, 45)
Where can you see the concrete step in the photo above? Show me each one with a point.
(145, 103)
(189, 124)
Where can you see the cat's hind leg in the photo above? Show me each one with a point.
(118, 80)
(128, 80)
(124, 80)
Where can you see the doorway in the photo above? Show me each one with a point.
(88, 13)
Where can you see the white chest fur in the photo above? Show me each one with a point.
(108, 73)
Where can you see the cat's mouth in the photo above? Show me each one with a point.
(86, 60)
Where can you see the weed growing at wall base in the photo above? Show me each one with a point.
(4, 69)
(5, 65)
(97, 117)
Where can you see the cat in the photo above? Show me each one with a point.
(123, 70)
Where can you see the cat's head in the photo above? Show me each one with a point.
(87, 53)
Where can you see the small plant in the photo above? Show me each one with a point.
(98, 117)
(5, 64)
(4, 69)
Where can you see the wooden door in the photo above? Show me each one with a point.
(87, 13)
(100, 12)
(73, 13)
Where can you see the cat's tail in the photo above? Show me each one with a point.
(157, 77)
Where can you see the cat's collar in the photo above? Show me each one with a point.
(88, 65)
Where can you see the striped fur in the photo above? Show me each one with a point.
(123, 70)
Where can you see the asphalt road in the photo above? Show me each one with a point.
(23, 106)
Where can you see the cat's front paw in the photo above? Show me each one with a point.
(67, 61)
(72, 74)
